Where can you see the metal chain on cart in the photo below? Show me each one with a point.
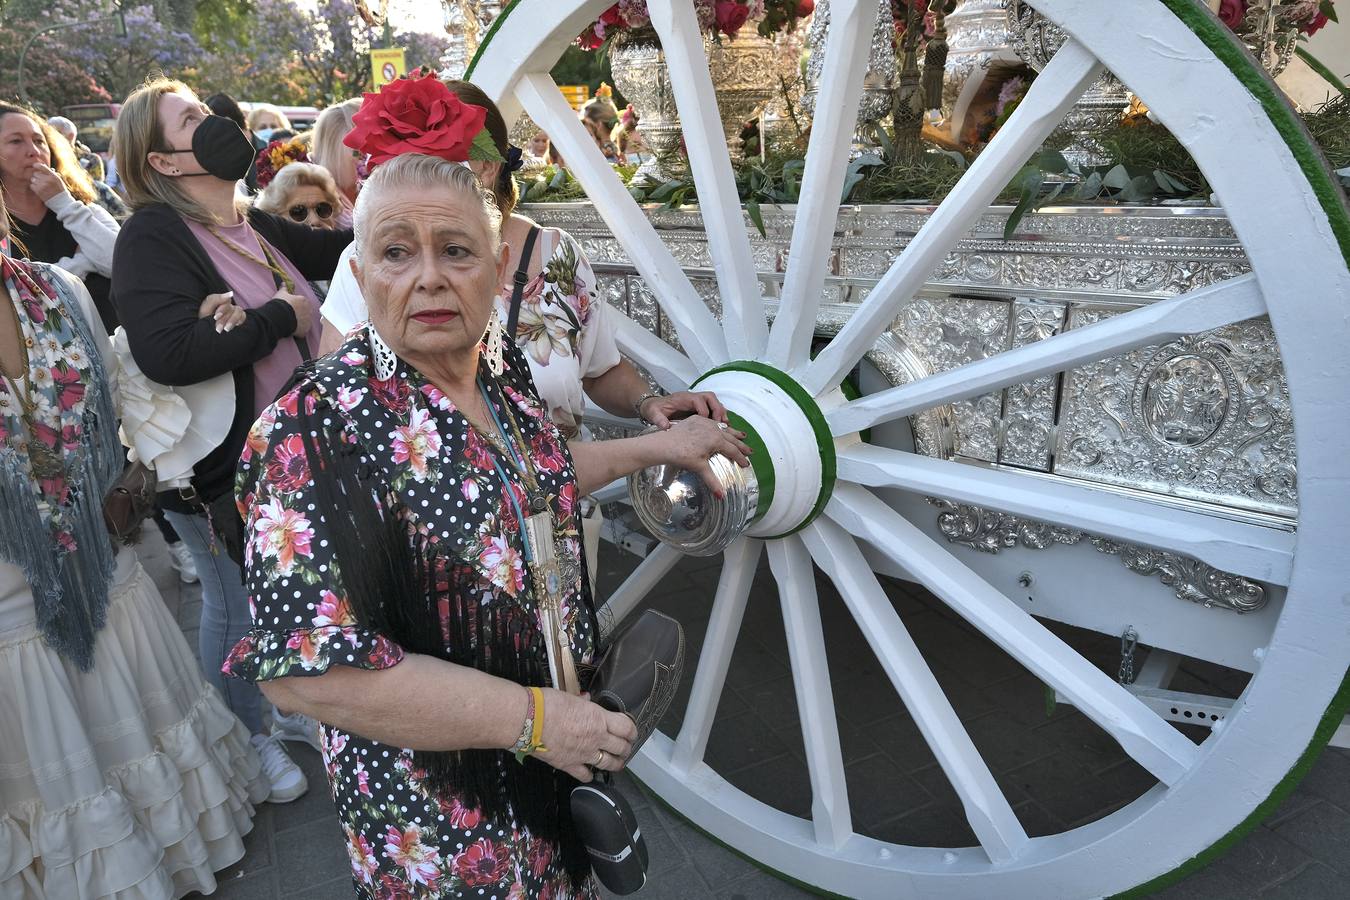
(1129, 639)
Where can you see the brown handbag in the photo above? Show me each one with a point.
(129, 502)
(639, 672)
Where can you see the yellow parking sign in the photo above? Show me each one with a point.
(576, 94)
(386, 65)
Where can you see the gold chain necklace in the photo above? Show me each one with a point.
(269, 263)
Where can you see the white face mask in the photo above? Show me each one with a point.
(265, 134)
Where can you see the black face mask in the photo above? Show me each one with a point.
(221, 149)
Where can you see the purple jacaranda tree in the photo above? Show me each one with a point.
(119, 64)
(422, 49)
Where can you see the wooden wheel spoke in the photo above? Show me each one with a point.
(728, 242)
(637, 586)
(987, 810)
(1253, 551)
(724, 625)
(1051, 95)
(841, 87)
(1152, 742)
(671, 368)
(697, 327)
(830, 813)
(1199, 310)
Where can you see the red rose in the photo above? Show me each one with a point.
(1231, 12)
(731, 15)
(805, 8)
(1315, 25)
(415, 116)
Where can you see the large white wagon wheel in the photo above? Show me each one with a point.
(1296, 232)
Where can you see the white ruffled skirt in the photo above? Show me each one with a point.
(130, 781)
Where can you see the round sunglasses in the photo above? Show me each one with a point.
(299, 212)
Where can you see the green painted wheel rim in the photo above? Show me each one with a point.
(829, 465)
(760, 463)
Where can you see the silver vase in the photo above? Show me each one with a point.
(640, 74)
(878, 83)
(977, 44)
(745, 74)
(1035, 39)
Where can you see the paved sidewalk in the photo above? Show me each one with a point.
(1043, 762)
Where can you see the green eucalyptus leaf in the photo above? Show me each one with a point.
(1051, 161)
(752, 210)
(1117, 179)
(559, 180)
(850, 182)
(1032, 180)
(955, 155)
(665, 190)
(1090, 188)
(1140, 188)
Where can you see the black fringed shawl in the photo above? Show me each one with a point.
(400, 588)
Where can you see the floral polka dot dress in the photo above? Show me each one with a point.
(405, 839)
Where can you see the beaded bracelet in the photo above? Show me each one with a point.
(532, 729)
(650, 395)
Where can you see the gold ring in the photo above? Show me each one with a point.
(599, 759)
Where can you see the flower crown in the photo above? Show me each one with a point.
(277, 155)
(419, 114)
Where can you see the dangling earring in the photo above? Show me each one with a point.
(384, 359)
(492, 343)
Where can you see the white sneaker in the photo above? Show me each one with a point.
(288, 782)
(181, 559)
(296, 727)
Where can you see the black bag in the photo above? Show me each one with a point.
(610, 832)
(227, 527)
(637, 676)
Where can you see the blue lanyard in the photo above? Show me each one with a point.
(505, 480)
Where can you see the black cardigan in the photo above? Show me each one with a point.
(161, 275)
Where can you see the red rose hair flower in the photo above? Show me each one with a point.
(420, 115)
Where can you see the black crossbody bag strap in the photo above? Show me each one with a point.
(521, 278)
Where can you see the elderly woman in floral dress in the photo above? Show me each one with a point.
(415, 566)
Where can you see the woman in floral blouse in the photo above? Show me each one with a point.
(414, 564)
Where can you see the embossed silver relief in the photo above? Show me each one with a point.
(1204, 418)
(1029, 408)
(991, 532)
(949, 333)
(1105, 261)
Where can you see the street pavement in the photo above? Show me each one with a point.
(1056, 767)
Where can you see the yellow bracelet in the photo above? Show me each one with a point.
(537, 734)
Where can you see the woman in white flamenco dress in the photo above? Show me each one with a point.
(122, 773)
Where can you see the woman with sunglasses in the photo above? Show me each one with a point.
(307, 195)
(304, 192)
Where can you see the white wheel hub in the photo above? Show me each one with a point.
(788, 430)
